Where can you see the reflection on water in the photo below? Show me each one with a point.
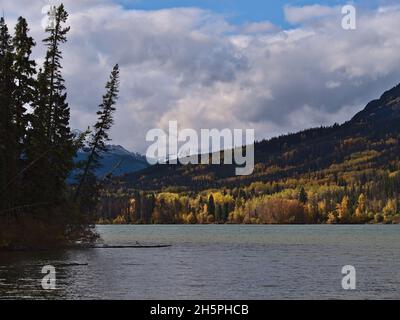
(215, 262)
(20, 274)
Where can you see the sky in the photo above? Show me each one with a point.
(274, 66)
(242, 11)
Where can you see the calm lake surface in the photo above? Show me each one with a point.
(216, 262)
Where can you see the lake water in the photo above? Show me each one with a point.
(216, 262)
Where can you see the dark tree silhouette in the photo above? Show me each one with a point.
(99, 137)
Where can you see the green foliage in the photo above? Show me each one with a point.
(211, 206)
(8, 147)
(303, 196)
(37, 148)
(350, 196)
(50, 146)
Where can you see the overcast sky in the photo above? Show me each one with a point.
(276, 67)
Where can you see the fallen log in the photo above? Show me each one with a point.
(132, 247)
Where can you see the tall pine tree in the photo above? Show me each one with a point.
(51, 143)
(97, 143)
(25, 83)
(7, 119)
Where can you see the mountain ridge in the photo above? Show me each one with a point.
(116, 160)
(292, 154)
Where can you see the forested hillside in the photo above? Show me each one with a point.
(347, 173)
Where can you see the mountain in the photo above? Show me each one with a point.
(368, 141)
(348, 173)
(117, 161)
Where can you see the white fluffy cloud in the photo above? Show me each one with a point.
(193, 66)
(297, 15)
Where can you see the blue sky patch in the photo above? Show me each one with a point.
(242, 11)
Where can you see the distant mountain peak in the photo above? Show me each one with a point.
(118, 149)
(116, 160)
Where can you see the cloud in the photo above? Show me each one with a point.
(259, 27)
(193, 66)
(295, 15)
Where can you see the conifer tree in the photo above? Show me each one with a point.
(97, 143)
(37, 148)
(211, 206)
(24, 70)
(7, 128)
(303, 196)
(51, 142)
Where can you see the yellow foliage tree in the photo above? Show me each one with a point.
(360, 213)
(343, 210)
(119, 220)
